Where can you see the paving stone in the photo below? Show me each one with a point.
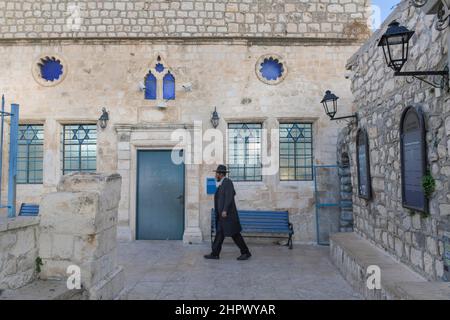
(273, 272)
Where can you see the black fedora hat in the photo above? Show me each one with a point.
(221, 169)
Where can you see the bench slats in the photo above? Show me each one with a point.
(29, 209)
(264, 222)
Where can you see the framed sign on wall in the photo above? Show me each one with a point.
(413, 161)
(363, 165)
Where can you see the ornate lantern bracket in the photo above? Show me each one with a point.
(441, 8)
(395, 44)
(330, 105)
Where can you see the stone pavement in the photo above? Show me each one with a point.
(173, 270)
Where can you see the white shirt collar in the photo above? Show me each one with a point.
(220, 182)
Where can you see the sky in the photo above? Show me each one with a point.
(385, 6)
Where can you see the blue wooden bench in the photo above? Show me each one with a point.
(269, 223)
(29, 209)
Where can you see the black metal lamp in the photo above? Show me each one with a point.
(103, 120)
(395, 44)
(329, 103)
(215, 118)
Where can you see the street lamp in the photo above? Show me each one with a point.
(329, 103)
(215, 118)
(103, 120)
(395, 44)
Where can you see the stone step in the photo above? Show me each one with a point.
(43, 290)
(352, 254)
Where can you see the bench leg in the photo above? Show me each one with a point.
(289, 243)
(291, 227)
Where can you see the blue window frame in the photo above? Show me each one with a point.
(150, 86)
(79, 148)
(169, 86)
(30, 155)
(244, 151)
(296, 151)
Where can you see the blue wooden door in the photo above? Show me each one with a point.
(160, 196)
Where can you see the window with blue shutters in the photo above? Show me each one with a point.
(150, 86)
(169, 87)
(159, 82)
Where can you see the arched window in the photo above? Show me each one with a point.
(150, 86)
(345, 160)
(413, 159)
(363, 164)
(169, 86)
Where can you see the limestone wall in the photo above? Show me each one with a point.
(18, 251)
(182, 18)
(220, 74)
(380, 99)
(79, 227)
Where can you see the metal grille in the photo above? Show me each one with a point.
(296, 151)
(30, 155)
(244, 152)
(79, 148)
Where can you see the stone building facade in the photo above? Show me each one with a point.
(213, 49)
(380, 98)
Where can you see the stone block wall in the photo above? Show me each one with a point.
(380, 98)
(18, 251)
(183, 18)
(79, 227)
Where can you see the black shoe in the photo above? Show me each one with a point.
(244, 256)
(211, 256)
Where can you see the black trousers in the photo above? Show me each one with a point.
(237, 238)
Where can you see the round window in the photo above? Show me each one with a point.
(271, 69)
(49, 70)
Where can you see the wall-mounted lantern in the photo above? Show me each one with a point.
(329, 103)
(441, 8)
(215, 118)
(103, 120)
(395, 44)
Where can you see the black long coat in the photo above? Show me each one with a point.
(224, 201)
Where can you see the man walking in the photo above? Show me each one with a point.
(227, 219)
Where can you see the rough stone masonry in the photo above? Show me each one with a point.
(176, 18)
(380, 98)
(79, 227)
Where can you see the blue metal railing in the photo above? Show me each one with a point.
(330, 194)
(13, 146)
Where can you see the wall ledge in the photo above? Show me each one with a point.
(8, 224)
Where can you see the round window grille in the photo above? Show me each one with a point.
(49, 70)
(271, 69)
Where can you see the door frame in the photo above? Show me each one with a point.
(156, 136)
(137, 185)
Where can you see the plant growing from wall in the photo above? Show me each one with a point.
(39, 264)
(428, 184)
